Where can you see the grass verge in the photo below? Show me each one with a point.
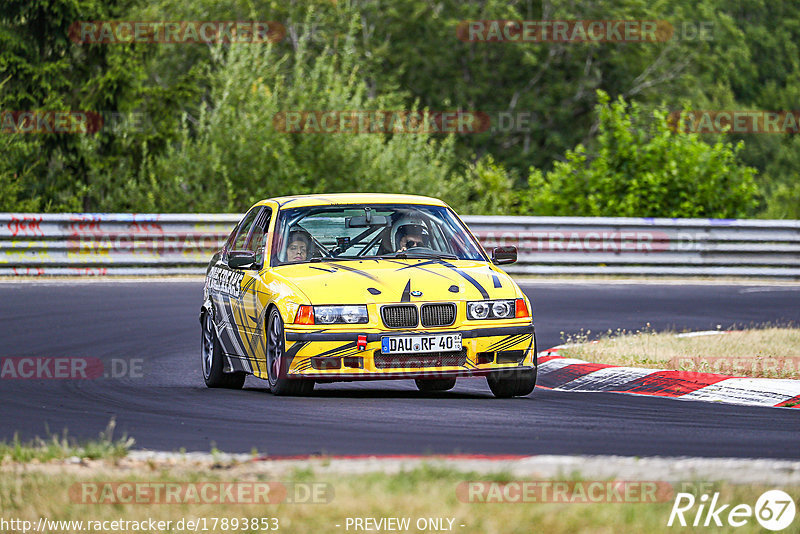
(63, 446)
(758, 353)
(425, 493)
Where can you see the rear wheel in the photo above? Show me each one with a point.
(435, 384)
(213, 360)
(277, 364)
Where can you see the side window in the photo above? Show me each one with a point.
(259, 235)
(244, 228)
(229, 240)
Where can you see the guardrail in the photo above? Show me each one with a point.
(136, 244)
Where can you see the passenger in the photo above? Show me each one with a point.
(299, 245)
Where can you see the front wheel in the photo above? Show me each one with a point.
(512, 383)
(213, 360)
(277, 364)
(515, 382)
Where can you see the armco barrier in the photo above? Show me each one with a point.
(134, 244)
(109, 243)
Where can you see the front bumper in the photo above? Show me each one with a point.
(355, 355)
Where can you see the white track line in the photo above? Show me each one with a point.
(607, 378)
(748, 391)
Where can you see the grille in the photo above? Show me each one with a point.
(417, 361)
(438, 314)
(403, 316)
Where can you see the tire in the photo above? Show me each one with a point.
(429, 385)
(507, 384)
(512, 383)
(213, 361)
(277, 365)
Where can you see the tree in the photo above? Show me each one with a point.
(234, 153)
(42, 70)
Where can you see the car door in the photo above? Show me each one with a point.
(227, 295)
(254, 297)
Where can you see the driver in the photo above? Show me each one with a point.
(409, 233)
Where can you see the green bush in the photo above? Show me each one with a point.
(642, 167)
(487, 189)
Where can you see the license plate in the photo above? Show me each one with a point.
(420, 344)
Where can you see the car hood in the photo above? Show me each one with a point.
(385, 281)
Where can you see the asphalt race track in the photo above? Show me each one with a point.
(169, 408)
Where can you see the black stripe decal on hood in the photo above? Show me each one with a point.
(467, 277)
(496, 280)
(323, 269)
(356, 271)
(406, 292)
(421, 268)
(420, 264)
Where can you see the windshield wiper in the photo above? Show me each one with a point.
(413, 255)
(333, 258)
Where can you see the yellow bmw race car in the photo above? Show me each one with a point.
(325, 288)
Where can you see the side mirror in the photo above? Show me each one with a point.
(504, 255)
(239, 259)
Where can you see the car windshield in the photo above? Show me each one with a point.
(337, 233)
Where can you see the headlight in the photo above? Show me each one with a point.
(502, 308)
(490, 309)
(478, 310)
(340, 315)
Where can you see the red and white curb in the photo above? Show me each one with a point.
(569, 374)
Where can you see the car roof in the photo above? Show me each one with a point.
(299, 201)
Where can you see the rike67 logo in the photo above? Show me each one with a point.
(774, 510)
